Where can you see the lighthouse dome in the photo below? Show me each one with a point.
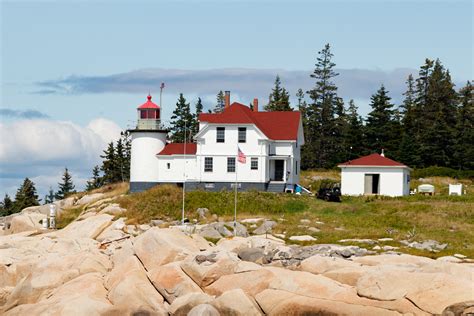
(149, 104)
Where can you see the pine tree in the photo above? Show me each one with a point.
(181, 120)
(409, 144)
(279, 99)
(6, 206)
(49, 198)
(66, 187)
(354, 138)
(438, 118)
(220, 102)
(199, 108)
(464, 144)
(127, 154)
(381, 126)
(109, 165)
(320, 146)
(120, 160)
(96, 181)
(25, 196)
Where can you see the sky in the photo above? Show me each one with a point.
(73, 72)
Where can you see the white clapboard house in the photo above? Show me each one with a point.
(375, 174)
(270, 141)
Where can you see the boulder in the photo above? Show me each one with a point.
(202, 212)
(210, 232)
(184, 304)
(236, 302)
(251, 282)
(113, 209)
(26, 222)
(265, 228)
(157, 247)
(398, 259)
(88, 198)
(431, 292)
(302, 238)
(203, 310)
(113, 232)
(90, 227)
(129, 287)
(172, 282)
(234, 244)
(463, 308)
(208, 266)
(253, 255)
(84, 295)
(277, 302)
(321, 264)
(240, 230)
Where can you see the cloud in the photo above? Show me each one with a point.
(40, 149)
(247, 83)
(25, 114)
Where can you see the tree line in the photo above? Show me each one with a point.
(115, 167)
(433, 126)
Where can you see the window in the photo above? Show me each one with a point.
(168, 165)
(208, 164)
(220, 136)
(230, 164)
(242, 134)
(254, 164)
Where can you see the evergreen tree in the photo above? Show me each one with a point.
(199, 108)
(127, 154)
(120, 160)
(25, 196)
(220, 102)
(66, 187)
(438, 118)
(464, 139)
(49, 198)
(381, 125)
(409, 144)
(181, 120)
(6, 206)
(354, 138)
(109, 165)
(96, 181)
(320, 147)
(279, 99)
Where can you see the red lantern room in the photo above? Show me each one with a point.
(148, 115)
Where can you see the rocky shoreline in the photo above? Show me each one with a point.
(98, 265)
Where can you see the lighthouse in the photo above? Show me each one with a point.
(148, 139)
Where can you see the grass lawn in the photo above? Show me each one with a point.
(442, 218)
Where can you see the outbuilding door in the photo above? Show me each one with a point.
(371, 183)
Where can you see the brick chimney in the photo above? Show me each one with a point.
(227, 99)
(255, 105)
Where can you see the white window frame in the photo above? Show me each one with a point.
(229, 165)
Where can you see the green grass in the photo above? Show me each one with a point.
(446, 219)
(67, 217)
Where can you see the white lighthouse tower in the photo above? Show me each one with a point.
(148, 139)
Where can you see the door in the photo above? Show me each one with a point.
(279, 165)
(371, 183)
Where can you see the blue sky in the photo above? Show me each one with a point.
(90, 63)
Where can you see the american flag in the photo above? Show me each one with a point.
(241, 156)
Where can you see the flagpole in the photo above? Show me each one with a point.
(184, 173)
(235, 192)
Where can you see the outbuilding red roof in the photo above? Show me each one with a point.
(375, 160)
(148, 104)
(276, 125)
(178, 149)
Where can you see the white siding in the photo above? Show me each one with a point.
(143, 161)
(392, 180)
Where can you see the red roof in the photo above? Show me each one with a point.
(148, 104)
(373, 160)
(178, 149)
(277, 125)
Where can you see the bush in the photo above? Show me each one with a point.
(435, 171)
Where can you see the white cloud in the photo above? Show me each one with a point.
(40, 149)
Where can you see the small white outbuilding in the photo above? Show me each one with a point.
(374, 174)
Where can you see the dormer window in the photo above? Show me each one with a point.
(220, 134)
